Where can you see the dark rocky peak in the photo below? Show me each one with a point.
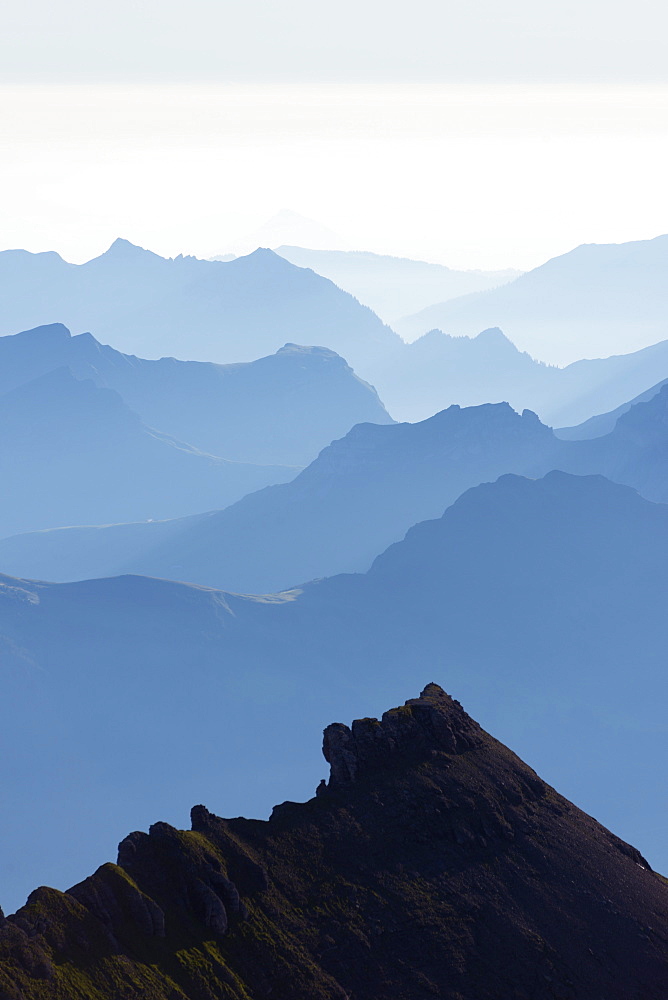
(459, 874)
(432, 723)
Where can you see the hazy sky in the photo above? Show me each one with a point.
(349, 41)
(477, 134)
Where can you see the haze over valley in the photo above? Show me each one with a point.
(333, 412)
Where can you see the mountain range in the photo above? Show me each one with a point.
(278, 410)
(596, 300)
(195, 309)
(433, 862)
(603, 423)
(239, 310)
(72, 453)
(362, 493)
(541, 602)
(393, 286)
(437, 370)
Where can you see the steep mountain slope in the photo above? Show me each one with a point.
(196, 309)
(279, 410)
(71, 453)
(603, 423)
(438, 370)
(594, 301)
(393, 286)
(636, 451)
(434, 862)
(361, 494)
(541, 602)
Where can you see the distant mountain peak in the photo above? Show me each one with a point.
(288, 227)
(432, 723)
(483, 411)
(494, 335)
(265, 255)
(123, 250)
(46, 333)
(311, 350)
(121, 245)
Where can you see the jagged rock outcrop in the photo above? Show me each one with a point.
(433, 722)
(433, 863)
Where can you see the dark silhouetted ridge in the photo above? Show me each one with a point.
(434, 721)
(434, 863)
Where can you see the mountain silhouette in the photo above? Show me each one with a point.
(541, 602)
(438, 370)
(594, 301)
(603, 423)
(202, 310)
(433, 862)
(362, 493)
(393, 286)
(72, 453)
(279, 410)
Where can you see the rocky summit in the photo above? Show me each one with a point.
(433, 863)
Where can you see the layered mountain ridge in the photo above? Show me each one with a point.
(540, 602)
(433, 862)
(203, 310)
(595, 300)
(439, 369)
(362, 493)
(278, 410)
(71, 452)
(393, 286)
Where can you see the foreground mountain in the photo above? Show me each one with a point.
(433, 862)
(71, 453)
(541, 602)
(438, 370)
(202, 310)
(279, 410)
(393, 286)
(595, 301)
(360, 495)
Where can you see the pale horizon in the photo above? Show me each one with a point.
(466, 176)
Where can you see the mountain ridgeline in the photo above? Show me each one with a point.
(92, 436)
(278, 410)
(243, 547)
(71, 453)
(594, 301)
(434, 862)
(202, 310)
(438, 369)
(541, 602)
(362, 493)
(393, 286)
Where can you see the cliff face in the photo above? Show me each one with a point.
(434, 863)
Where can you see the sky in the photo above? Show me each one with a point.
(476, 135)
